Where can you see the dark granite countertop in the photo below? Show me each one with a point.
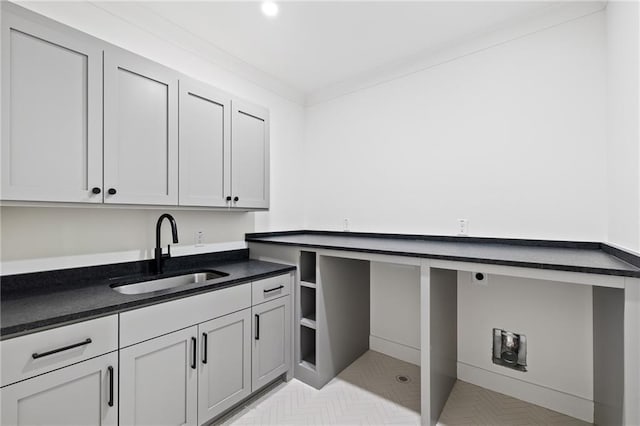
(589, 257)
(37, 301)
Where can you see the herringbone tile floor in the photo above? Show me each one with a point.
(368, 393)
(472, 405)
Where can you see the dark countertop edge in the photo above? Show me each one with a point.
(549, 266)
(55, 322)
(592, 245)
(621, 254)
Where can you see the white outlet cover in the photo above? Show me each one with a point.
(199, 238)
(463, 226)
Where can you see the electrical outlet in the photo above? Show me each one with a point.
(345, 225)
(199, 238)
(463, 226)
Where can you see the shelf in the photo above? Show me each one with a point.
(309, 322)
(307, 302)
(308, 284)
(308, 346)
(308, 266)
(311, 365)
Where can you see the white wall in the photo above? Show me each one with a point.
(623, 107)
(34, 232)
(31, 233)
(511, 138)
(395, 310)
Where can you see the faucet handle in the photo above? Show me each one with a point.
(168, 254)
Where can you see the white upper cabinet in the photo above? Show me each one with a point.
(51, 112)
(249, 156)
(140, 130)
(224, 149)
(85, 121)
(205, 145)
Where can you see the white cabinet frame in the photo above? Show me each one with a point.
(76, 386)
(49, 156)
(129, 187)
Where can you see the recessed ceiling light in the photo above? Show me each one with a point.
(269, 8)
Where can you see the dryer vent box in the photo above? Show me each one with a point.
(509, 349)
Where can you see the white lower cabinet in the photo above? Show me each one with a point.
(158, 380)
(81, 394)
(225, 367)
(271, 354)
(175, 365)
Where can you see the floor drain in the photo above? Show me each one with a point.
(402, 379)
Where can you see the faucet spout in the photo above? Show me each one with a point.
(174, 233)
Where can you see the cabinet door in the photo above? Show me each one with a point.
(225, 364)
(140, 130)
(271, 354)
(249, 156)
(51, 112)
(158, 380)
(81, 394)
(205, 145)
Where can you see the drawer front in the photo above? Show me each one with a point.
(270, 288)
(28, 356)
(146, 323)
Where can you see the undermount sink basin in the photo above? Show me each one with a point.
(167, 283)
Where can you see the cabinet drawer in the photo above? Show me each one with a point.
(146, 323)
(56, 348)
(270, 288)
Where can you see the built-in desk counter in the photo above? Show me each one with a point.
(435, 278)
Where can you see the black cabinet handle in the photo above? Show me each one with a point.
(96, 190)
(110, 370)
(112, 191)
(257, 336)
(36, 355)
(236, 199)
(193, 351)
(273, 289)
(228, 197)
(204, 348)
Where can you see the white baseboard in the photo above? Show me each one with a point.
(396, 350)
(63, 262)
(552, 399)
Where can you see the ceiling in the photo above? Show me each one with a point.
(314, 45)
(311, 45)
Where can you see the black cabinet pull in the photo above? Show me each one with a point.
(193, 351)
(257, 336)
(36, 355)
(228, 197)
(112, 191)
(273, 289)
(110, 370)
(96, 190)
(236, 199)
(204, 348)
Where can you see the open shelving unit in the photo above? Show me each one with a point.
(332, 315)
(308, 307)
(307, 310)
